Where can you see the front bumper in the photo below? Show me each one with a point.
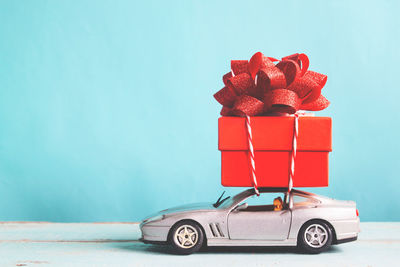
(154, 234)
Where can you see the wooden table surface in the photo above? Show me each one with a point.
(116, 244)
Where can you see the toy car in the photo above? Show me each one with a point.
(301, 219)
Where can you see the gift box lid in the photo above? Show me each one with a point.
(275, 133)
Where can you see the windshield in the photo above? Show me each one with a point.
(229, 202)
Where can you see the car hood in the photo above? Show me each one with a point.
(184, 208)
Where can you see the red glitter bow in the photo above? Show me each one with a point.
(259, 86)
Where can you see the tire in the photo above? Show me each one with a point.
(314, 237)
(186, 237)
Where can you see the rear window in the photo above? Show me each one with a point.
(302, 200)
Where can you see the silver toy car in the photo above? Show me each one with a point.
(298, 218)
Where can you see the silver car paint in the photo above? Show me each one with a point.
(259, 228)
(215, 221)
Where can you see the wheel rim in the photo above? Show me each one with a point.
(316, 235)
(186, 236)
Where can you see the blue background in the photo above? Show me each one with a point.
(107, 114)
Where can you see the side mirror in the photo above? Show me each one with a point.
(242, 206)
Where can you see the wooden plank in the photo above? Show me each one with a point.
(85, 232)
(108, 244)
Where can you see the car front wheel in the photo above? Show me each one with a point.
(315, 237)
(186, 237)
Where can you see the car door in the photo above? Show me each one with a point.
(259, 224)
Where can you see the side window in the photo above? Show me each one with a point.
(301, 200)
(265, 202)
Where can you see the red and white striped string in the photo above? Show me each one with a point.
(251, 148)
(294, 150)
(293, 154)
(251, 155)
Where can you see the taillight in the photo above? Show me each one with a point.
(357, 212)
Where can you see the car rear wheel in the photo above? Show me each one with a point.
(186, 237)
(315, 237)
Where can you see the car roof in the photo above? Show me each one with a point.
(282, 190)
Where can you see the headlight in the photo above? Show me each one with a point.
(155, 218)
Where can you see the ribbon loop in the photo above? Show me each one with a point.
(261, 87)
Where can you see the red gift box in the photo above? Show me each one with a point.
(272, 142)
